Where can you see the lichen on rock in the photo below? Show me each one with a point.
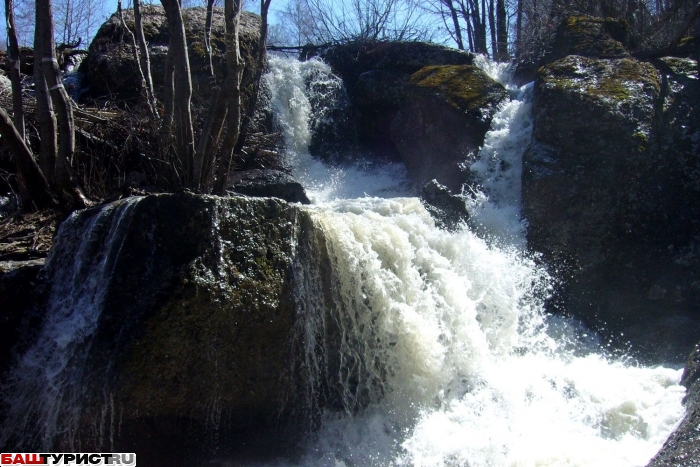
(442, 122)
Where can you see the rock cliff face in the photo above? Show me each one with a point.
(195, 327)
(423, 104)
(612, 194)
(111, 71)
(375, 76)
(442, 121)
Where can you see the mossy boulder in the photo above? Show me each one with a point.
(581, 35)
(111, 71)
(591, 37)
(196, 344)
(610, 192)
(375, 75)
(443, 120)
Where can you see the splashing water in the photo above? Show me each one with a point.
(447, 357)
(47, 380)
(294, 85)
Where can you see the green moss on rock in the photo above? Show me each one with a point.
(465, 87)
(591, 37)
(609, 80)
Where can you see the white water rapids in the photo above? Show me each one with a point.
(451, 350)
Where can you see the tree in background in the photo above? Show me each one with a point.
(76, 21)
(205, 165)
(653, 24)
(326, 21)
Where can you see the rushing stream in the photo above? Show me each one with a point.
(444, 334)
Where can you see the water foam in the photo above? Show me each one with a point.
(448, 356)
(294, 85)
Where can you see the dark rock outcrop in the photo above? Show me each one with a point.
(443, 120)
(193, 348)
(375, 75)
(682, 448)
(448, 210)
(587, 36)
(266, 183)
(612, 196)
(111, 71)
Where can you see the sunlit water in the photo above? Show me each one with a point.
(445, 331)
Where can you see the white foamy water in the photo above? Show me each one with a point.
(289, 82)
(447, 356)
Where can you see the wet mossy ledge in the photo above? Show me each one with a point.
(196, 338)
(442, 122)
(464, 87)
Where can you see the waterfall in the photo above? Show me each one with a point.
(416, 346)
(446, 356)
(47, 381)
(300, 92)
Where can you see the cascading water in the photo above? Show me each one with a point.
(446, 356)
(418, 346)
(46, 391)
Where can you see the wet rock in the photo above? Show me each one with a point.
(193, 349)
(448, 210)
(593, 124)
(442, 122)
(682, 448)
(19, 281)
(266, 183)
(587, 36)
(111, 71)
(611, 194)
(375, 76)
(331, 120)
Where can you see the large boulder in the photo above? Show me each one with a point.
(111, 71)
(442, 122)
(183, 325)
(375, 76)
(268, 183)
(578, 35)
(591, 37)
(612, 196)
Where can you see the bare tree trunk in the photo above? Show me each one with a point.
(455, 22)
(492, 29)
(137, 58)
(13, 45)
(257, 76)
(65, 184)
(208, 143)
(182, 92)
(145, 59)
(502, 30)
(44, 109)
(232, 10)
(167, 121)
(519, 32)
(207, 34)
(470, 32)
(32, 179)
